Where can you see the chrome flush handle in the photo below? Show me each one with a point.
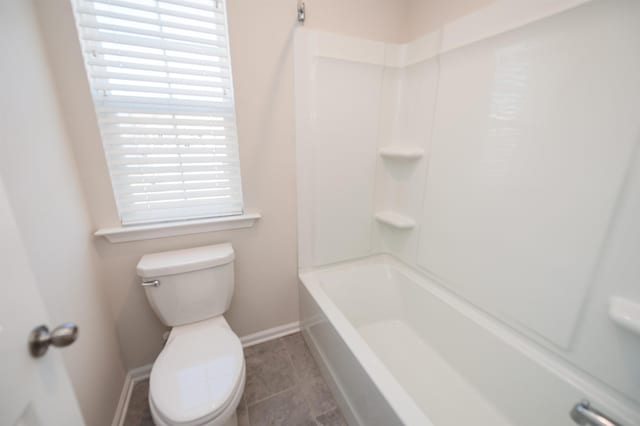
(154, 283)
(583, 414)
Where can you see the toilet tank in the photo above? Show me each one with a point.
(186, 286)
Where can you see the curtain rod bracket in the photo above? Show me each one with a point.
(302, 15)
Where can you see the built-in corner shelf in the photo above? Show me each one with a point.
(625, 313)
(401, 153)
(395, 220)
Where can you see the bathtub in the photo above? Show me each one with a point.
(398, 349)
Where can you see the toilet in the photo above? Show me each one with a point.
(198, 378)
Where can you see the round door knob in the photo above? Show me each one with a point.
(40, 338)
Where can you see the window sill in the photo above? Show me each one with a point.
(124, 234)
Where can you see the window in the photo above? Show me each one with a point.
(160, 77)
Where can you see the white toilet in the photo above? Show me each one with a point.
(198, 378)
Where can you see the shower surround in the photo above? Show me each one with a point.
(466, 208)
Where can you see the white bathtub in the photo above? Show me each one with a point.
(398, 349)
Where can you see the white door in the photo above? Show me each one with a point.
(33, 391)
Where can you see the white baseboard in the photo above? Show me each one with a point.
(270, 334)
(137, 374)
(133, 377)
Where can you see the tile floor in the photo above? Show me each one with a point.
(283, 387)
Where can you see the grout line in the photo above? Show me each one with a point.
(271, 396)
(330, 410)
(293, 366)
(306, 401)
(246, 407)
(298, 383)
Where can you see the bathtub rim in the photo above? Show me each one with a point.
(598, 392)
(402, 404)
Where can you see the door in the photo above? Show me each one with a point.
(33, 391)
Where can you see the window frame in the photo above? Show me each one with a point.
(176, 111)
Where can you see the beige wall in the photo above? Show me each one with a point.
(261, 35)
(265, 294)
(394, 21)
(424, 16)
(381, 20)
(39, 172)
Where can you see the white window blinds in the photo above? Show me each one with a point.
(161, 82)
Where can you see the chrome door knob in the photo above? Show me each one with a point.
(40, 338)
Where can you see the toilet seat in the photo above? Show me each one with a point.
(198, 375)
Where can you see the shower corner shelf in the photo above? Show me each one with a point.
(395, 220)
(625, 313)
(401, 152)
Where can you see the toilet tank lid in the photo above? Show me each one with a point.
(187, 260)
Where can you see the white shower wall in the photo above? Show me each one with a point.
(533, 133)
(409, 94)
(337, 111)
(524, 196)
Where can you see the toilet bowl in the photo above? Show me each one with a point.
(198, 377)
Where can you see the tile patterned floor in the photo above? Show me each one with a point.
(283, 387)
